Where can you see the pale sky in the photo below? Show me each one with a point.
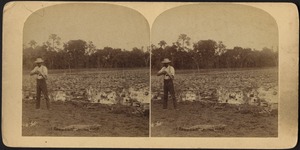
(103, 24)
(121, 27)
(235, 25)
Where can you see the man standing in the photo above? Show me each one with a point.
(168, 72)
(41, 85)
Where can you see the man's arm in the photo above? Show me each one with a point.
(171, 73)
(33, 72)
(44, 72)
(161, 72)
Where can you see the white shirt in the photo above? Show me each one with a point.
(43, 72)
(170, 70)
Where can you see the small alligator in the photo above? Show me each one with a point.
(78, 128)
(203, 127)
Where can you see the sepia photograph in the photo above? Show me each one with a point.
(150, 75)
(86, 72)
(214, 72)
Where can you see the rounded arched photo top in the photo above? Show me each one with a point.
(233, 24)
(106, 25)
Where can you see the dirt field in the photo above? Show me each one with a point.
(245, 101)
(118, 122)
(245, 111)
(75, 109)
(238, 124)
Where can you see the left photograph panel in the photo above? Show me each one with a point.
(86, 72)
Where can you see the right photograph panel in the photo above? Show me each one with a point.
(214, 72)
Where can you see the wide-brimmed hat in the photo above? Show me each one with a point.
(166, 60)
(39, 60)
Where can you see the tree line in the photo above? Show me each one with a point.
(78, 54)
(210, 54)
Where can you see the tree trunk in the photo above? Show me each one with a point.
(88, 62)
(51, 64)
(69, 65)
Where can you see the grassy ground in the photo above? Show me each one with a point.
(119, 121)
(240, 120)
(115, 122)
(245, 124)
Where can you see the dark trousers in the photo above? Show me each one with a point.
(169, 88)
(41, 86)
